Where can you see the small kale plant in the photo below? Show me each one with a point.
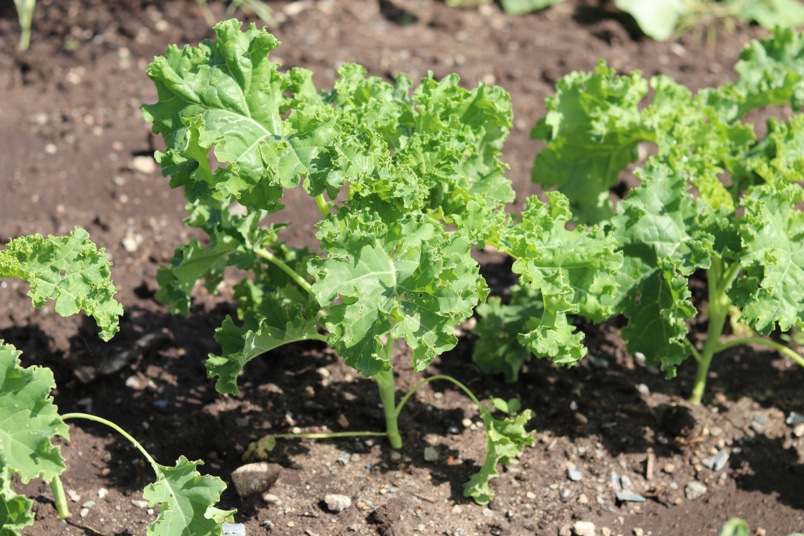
(714, 199)
(75, 274)
(407, 181)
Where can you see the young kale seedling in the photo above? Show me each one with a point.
(406, 184)
(713, 198)
(73, 273)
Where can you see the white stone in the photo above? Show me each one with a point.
(336, 502)
(583, 528)
(142, 164)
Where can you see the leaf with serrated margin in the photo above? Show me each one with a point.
(771, 293)
(653, 226)
(592, 127)
(266, 326)
(399, 275)
(187, 501)
(572, 269)
(70, 270)
(436, 150)
(228, 97)
(780, 155)
(771, 74)
(15, 509)
(28, 419)
(233, 240)
(497, 349)
(504, 440)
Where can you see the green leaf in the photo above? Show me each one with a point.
(573, 270)
(15, 509)
(520, 7)
(780, 155)
(28, 419)
(734, 527)
(497, 349)
(771, 74)
(773, 13)
(505, 438)
(399, 276)
(592, 127)
(70, 270)
(270, 325)
(771, 293)
(655, 226)
(228, 97)
(187, 501)
(657, 18)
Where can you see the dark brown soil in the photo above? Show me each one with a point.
(69, 128)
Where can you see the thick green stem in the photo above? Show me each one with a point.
(719, 280)
(59, 497)
(323, 206)
(385, 383)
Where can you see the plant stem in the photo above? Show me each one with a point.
(416, 387)
(323, 206)
(719, 280)
(781, 348)
(56, 485)
(385, 383)
(279, 263)
(116, 428)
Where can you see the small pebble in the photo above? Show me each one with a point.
(583, 528)
(233, 529)
(430, 454)
(139, 503)
(798, 430)
(759, 422)
(574, 475)
(337, 503)
(794, 418)
(142, 164)
(629, 496)
(718, 461)
(270, 498)
(694, 490)
(255, 477)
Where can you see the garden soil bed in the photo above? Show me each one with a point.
(70, 132)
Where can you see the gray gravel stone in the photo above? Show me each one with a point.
(694, 490)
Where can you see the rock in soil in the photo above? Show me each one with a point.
(337, 503)
(255, 477)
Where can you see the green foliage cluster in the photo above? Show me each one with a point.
(74, 274)
(408, 180)
(714, 199)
